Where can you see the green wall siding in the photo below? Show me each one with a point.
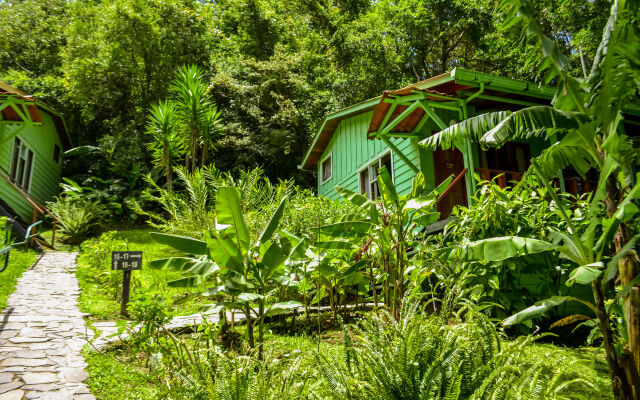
(45, 178)
(351, 151)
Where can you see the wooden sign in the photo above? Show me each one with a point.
(126, 260)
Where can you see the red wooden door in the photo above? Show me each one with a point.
(447, 163)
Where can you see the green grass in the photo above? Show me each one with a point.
(98, 299)
(19, 261)
(113, 379)
(576, 362)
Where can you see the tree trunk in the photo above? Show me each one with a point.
(620, 384)
(205, 153)
(247, 313)
(627, 271)
(260, 327)
(373, 284)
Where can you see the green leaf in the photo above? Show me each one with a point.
(204, 268)
(319, 296)
(172, 263)
(274, 221)
(502, 248)
(189, 281)
(229, 212)
(283, 307)
(225, 252)
(585, 274)
(386, 186)
(470, 129)
(181, 243)
(536, 310)
(249, 297)
(355, 198)
(494, 282)
(335, 245)
(354, 268)
(343, 227)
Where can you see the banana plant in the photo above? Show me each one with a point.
(390, 226)
(585, 126)
(246, 271)
(587, 250)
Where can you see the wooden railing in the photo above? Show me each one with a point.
(574, 186)
(503, 177)
(38, 209)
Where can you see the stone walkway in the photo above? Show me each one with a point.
(42, 332)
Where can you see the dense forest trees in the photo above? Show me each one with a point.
(275, 68)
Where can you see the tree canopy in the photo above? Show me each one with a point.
(274, 68)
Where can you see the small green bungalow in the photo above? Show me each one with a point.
(354, 142)
(33, 138)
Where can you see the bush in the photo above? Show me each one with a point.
(525, 210)
(79, 216)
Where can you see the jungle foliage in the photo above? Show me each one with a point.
(273, 68)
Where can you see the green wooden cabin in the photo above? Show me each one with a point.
(33, 138)
(354, 142)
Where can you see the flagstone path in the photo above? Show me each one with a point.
(42, 332)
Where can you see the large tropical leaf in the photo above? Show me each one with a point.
(181, 243)
(536, 310)
(229, 212)
(386, 186)
(537, 121)
(471, 129)
(274, 221)
(355, 198)
(502, 248)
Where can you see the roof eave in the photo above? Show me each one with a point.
(344, 113)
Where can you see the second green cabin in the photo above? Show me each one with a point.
(353, 143)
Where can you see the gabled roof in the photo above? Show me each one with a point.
(34, 112)
(459, 82)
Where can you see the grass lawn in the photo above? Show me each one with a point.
(19, 261)
(98, 297)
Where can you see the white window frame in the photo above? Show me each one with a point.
(19, 182)
(372, 163)
(328, 156)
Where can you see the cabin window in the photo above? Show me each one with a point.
(326, 169)
(21, 165)
(56, 153)
(369, 176)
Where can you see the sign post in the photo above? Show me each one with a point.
(126, 261)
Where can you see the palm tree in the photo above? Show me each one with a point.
(168, 146)
(586, 129)
(194, 108)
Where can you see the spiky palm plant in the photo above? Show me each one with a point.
(168, 146)
(194, 106)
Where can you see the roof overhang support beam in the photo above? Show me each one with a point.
(399, 153)
(18, 105)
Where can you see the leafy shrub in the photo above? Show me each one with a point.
(304, 212)
(525, 210)
(188, 212)
(425, 357)
(79, 216)
(189, 209)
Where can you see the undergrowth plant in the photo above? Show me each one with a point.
(421, 356)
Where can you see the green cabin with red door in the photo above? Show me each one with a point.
(33, 138)
(354, 142)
